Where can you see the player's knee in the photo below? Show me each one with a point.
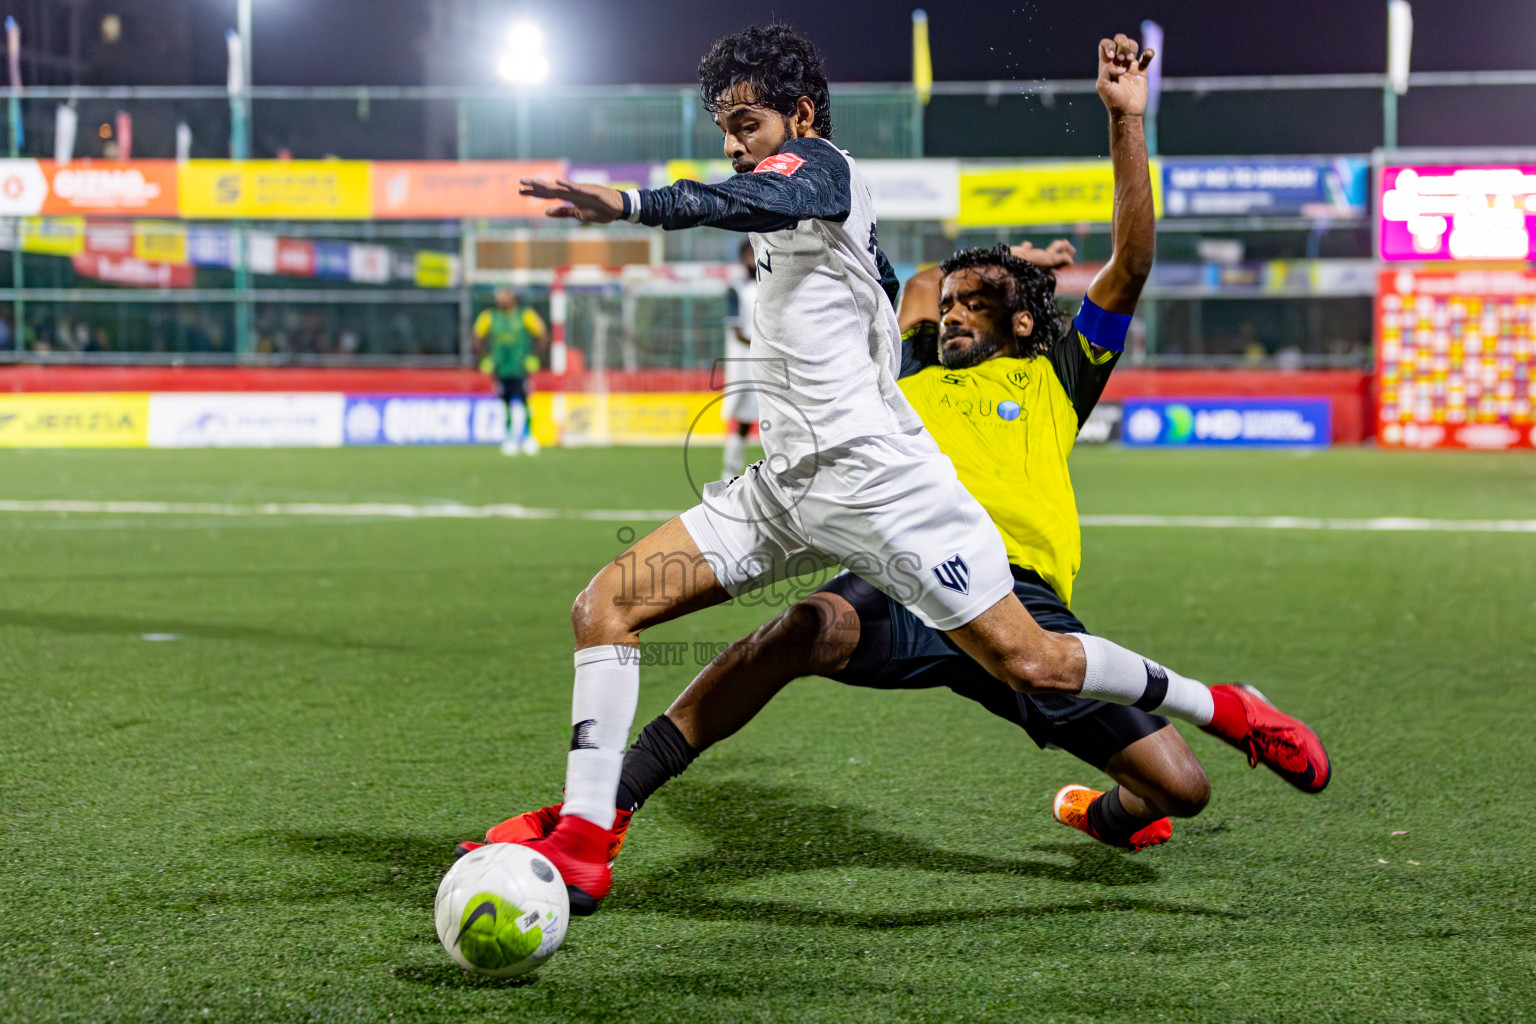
(819, 630)
(1042, 667)
(1187, 791)
(596, 618)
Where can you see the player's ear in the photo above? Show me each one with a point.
(1023, 324)
(805, 117)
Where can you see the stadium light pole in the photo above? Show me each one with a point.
(523, 63)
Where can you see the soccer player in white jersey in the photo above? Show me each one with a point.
(851, 476)
(739, 406)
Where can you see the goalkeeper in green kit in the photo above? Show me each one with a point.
(509, 339)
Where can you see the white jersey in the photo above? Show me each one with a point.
(825, 343)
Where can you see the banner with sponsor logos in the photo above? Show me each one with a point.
(432, 189)
(246, 420)
(29, 188)
(1068, 192)
(913, 189)
(276, 189)
(1456, 359)
(1226, 422)
(425, 420)
(1266, 187)
(74, 420)
(1484, 212)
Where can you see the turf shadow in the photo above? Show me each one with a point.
(453, 976)
(758, 830)
(118, 625)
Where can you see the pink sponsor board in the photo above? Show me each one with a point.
(1456, 212)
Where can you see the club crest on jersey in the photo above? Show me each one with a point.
(782, 163)
(954, 574)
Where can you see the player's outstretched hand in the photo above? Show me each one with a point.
(1058, 254)
(590, 204)
(1122, 81)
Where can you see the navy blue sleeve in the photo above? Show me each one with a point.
(919, 348)
(888, 279)
(808, 179)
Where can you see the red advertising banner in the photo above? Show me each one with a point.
(428, 189)
(296, 257)
(131, 271)
(1456, 360)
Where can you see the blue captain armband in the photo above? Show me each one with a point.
(1101, 327)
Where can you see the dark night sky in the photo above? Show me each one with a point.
(611, 41)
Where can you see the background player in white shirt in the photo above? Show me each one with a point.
(739, 406)
(851, 476)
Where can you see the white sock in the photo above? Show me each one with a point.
(735, 454)
(1119, 676)
(519, 417)
(602, 711)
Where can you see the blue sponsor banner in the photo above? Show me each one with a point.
(1266, 187)
(333, 260)
(424, 420)
(1227, 423)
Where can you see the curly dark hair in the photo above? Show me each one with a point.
(778, 65)
(1030, 288)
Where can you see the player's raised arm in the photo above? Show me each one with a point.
(1122, 85)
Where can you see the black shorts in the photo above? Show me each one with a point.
(512, 388)
(898, 651)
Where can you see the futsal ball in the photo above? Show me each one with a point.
(502, 910)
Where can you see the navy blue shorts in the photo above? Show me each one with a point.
(897, 651)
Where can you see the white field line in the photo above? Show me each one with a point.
(451, 510)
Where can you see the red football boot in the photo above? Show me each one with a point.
(579, 851)
(1248, 721)
(539, 824)
(1071, 808)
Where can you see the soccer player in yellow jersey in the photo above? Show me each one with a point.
(1003, 387)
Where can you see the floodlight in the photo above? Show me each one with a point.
(524, 60)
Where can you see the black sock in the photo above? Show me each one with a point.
(1111, 822)
(659, 755)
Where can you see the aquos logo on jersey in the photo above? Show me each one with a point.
(781, 163)
(954, 574)
(1215, 422)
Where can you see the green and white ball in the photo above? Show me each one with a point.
(502, 910)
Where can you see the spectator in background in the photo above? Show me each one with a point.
(509, 339)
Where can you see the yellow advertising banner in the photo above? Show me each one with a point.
(628, 418)
(285, 189)
(708, 171)
(436, 269)
(74, 421)
(159, 241)
(53, 236)
(1052, 193)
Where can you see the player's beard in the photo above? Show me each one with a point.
(981, 348)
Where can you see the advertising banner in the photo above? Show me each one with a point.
(296, 257)
(159, 241)
(1458, 212)
(1266, 187)
(246, 420)
(425, 420)
(627, 418)
(283, 189)
(132, 271)
(1226, 422)
(74, 420)
(32, 187)
(436, 269)
(53, 236)
(433, 189)
(914, 189)
(1456, 360)
(620, 176)
(1047, 193)
(710, 172)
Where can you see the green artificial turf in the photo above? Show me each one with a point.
(248, 822)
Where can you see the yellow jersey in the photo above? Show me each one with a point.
(1008, 425)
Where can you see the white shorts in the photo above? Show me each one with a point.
(889, 509)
